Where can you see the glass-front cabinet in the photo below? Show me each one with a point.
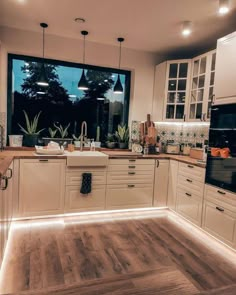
(202, 87)
(177, 89)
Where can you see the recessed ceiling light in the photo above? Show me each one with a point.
(80, 20)
(186, 28)
(223, 6)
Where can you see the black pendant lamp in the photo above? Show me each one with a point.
(118, 86)
(42, 79)
(83, 83)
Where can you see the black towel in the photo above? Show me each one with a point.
(86, 185)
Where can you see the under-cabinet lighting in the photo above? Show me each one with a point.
(223, 6)
(183, 123)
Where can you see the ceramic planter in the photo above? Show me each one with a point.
(111, 144)
(123, 145)
(30, 140)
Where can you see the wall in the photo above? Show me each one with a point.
(142, 64)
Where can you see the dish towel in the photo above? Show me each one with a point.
(86, 185)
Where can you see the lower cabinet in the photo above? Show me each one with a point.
(172, 184)
(125, 196)
(161, 183)
(41, 187)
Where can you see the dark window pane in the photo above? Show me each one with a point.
(183, 70)
(171, 97)
(200, 93)
(199, 111)
(195, 67)
(173, 70)
(179, 111)
(170, 111)
(192, 111)
(203, 66)
(212, 78)
(201, 81)
(213, 62)
(182, 84)
(181, 97)
(172, 85)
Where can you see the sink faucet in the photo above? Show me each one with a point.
(1, 138)
(83, 134)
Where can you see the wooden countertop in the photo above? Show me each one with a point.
(7, 156)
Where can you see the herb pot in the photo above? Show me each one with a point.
(111, 144)
(30, 140)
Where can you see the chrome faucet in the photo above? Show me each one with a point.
(83, 134)
(1, 138)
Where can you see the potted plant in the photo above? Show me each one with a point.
(31, 133)
(111, 141)
(76, 140)
(122, 135)
(61, 139)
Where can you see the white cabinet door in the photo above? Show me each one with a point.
(42, 187)
(172, 185)
(225, 86)
(1, 227)
(161, 183)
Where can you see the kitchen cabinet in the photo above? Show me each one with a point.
(172, 184)
(225, 88)
(74, 200)
(41, 187)
(161, 183)
(172, 82)
(202, 87)
(130, 183)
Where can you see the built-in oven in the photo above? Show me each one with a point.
(221, 157)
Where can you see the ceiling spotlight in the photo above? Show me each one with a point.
(187, 28)
(223, 6)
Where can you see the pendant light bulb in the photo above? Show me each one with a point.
(42, 79)
(223, 6)
(187, 28)
(83, 83)
(118, 88)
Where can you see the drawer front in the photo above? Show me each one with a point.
(131, 161)
(75, 177)
(130, 167)
(129, 196)
(190, 206)
(130, 177)
(191, 185)
(218, 194)
(76, 202)
(218, 222)
(196, 173)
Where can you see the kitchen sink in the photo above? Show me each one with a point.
(86, 158)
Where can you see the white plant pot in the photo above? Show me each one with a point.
(97, 144)
(15, 140)
(77, 143)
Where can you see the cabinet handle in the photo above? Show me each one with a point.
(213, 99)
(184, 117)
(43, 160)
(3, 188)
(158, 163)
(201, 119)
(131, 185)
(220, 192)
(131, 173)
(204, 117)
(132, 160)
(9, 169)
(189, 180)
(190, 166)
(187, 194)
(220, 209)
(132, 167)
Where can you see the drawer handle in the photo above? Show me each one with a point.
(132, 167)
(187, 194)
(190, 166)
(5, 178)
(9, 169)
(131, 173)
(132, 160)
(220, 209)
(189, 180)
(131, 185)
(43, 160)
(158, 163)
(220, 192)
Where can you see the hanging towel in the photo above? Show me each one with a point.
(86, 185)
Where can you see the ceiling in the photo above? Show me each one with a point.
(148, 25)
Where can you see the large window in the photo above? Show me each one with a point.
(62, 102)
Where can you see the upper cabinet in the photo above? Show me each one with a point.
(225, 86)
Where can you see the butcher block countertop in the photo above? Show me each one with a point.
(7, 156)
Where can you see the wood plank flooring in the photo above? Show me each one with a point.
(133, 256)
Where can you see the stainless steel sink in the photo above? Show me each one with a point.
(86, 158)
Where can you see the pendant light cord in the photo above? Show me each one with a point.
(43, 41)
(120, 56)
(84, 51)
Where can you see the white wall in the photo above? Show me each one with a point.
(142, 64)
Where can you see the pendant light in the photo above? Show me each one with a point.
(83, 83)
(118, 86)
(42, 79)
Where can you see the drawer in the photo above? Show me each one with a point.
(74, 176)
(131, 161)
(219, 221)
(130, 167)
(127, 177)
(190, 206)
(76, 202)
(196, 173)
(129, 196)
(191, 185)
(216, 194)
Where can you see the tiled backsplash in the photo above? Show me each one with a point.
(179, 132)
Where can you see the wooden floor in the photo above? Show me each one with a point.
(134, 256)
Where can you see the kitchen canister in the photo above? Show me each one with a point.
(15, 140)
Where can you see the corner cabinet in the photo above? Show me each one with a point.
(42, 187)
(172, 85)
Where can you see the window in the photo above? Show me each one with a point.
(62, 102)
